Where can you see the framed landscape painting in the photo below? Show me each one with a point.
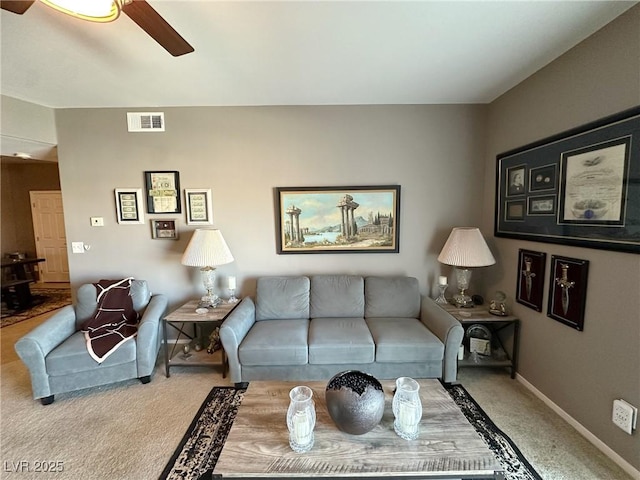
(338, 219)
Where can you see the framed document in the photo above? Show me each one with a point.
(129, 206)
(163, 192)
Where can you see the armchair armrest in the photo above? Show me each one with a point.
(448, 330)
(233, 331)
(36, 345)
(149, 338)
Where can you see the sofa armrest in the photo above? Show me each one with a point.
(232, 332)
(448, 330)
(148, 339)
(36, 345)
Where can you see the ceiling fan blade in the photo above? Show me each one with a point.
(151, 22)
(16, 6)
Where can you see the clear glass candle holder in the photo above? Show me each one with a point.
(441, 298)
(407, 408)
(232, 296)
(301, 419)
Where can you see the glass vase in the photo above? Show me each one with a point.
(407, 408)
(301, 419)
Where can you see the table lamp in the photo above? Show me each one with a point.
(207, 250)
(465, 249)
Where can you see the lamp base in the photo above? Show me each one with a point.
(210, 301)
(463, 277)
(463, 301)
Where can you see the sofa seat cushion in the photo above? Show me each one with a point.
(276, 342)
(401, 340)
(340, 340)
(71, 356)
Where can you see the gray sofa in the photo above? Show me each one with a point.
(310, 328)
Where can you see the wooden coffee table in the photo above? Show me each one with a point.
(258, 443)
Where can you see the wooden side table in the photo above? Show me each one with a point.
(186, 314)
(479, 314)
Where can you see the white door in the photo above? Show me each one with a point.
(51, 240)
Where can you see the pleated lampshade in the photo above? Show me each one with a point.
(466, 247)
(207, 248)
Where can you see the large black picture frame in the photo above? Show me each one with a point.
(580, 187)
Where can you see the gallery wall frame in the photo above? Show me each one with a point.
(163, 191)
(580, 187)
(129, 209)
(164, 229)
(352, 219)
(199, 206)
(531, 277)
(568, 290)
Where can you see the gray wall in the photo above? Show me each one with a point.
(582, 372)
(242, 154)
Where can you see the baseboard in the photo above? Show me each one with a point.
(599, 444)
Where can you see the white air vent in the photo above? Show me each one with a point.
(145, 121)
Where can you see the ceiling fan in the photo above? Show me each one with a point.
(138, 10)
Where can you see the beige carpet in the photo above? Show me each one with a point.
(554, 448)
(124, 431)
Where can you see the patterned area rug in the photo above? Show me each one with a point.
(198, 452)
(44, 300)
(200, 447)
(515, 465)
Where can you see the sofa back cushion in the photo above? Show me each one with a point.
(87, 299)
(337, 296)
(392, 297)
(281, 298)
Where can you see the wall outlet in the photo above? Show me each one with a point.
(624, 415)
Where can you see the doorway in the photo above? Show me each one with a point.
(50, 237)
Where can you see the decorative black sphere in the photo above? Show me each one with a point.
(355, 401)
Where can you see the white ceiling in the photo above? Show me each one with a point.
(294, 52)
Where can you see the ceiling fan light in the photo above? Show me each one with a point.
(91, 10)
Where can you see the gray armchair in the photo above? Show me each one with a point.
(55, 352)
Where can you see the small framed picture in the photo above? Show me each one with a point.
(515, 211)
(164, 229)
(515, 180)
(568, 290)
(129, 206)
(531, 270)
(543, 178)
(163, 192)
(541, 205)
(199, 206)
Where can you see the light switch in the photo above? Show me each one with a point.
(97, 222)
(77, 247)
